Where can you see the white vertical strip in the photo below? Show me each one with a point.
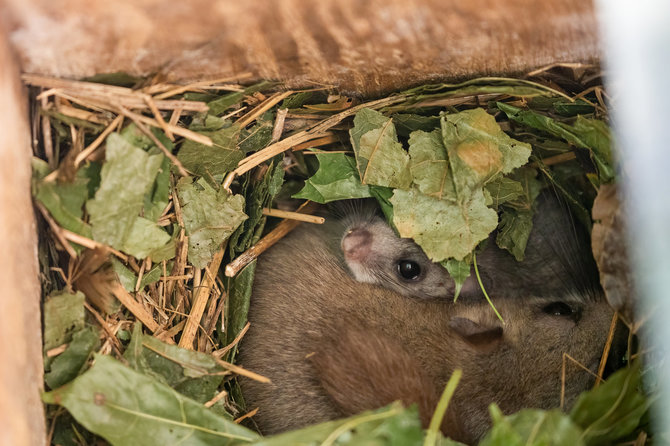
(636, 38)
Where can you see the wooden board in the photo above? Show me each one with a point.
(367, 47)
(21, 413)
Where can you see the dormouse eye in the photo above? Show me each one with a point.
(409, 269)
(558, 309)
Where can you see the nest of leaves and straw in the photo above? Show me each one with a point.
(156, 199)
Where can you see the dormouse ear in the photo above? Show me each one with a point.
(483, 336)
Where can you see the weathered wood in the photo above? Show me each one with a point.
(21, 413)
(368, 47)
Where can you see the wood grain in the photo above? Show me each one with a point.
(368, 47)
(21, 412)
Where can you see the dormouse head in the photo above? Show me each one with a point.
(374, 254)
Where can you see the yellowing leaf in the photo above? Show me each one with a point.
(443, 228)
(504, 189)
(479, 150)
(429, 165)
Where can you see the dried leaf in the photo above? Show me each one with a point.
(380, 158)
(63, 316)
(127, 176)
(504, 189)
(479, 150)
(144, 238)
(210, 217)
(444, 229)
(429, 165)
(218, 159)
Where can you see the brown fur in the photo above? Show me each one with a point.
(333, 346)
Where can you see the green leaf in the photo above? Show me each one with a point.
(127, 176)
(567, 108)
(207, 122)
(40, 168)
(406, 123)
(63, 316)
(137, 138)
(303, 97)
(527, 177)
(127, 278)
(614, 409)
(479, 150)
(239, 296)
(144, 238)
(210, 217)
(193, 374)
(167, 251)
(485, 85)
(380, 158)
(585, 133)
(66, 366)
(218, 159)
(389, 426)
(514, 230)
(561, 106)
(532, 427)
(128, 408)
(516, 218)
(459, 270)
(383, 196)
(504, 189)
(258, 136)
(596, 135)
(64, 201)
(151, 276)
(156, 201)
(441, 441)
(429, 165)
(444, 229)
(336, 179)
(258, 195)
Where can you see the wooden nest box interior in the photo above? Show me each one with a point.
(363, 48)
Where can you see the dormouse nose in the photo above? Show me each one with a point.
(357, 244)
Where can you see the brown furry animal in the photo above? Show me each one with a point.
(333, 346)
